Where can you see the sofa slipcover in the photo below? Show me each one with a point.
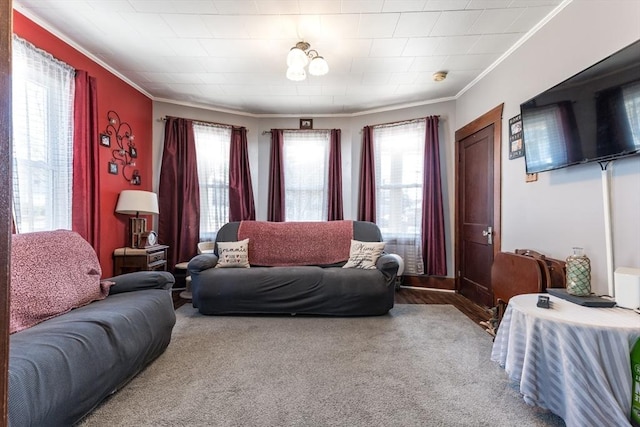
(299, 289)
(63, 367)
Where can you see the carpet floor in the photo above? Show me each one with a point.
(420, 365)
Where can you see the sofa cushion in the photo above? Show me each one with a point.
(52, 272)
(233, 254)
(364, 254)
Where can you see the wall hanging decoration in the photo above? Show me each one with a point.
(516, 143)
(306, 124)
(124, 152)
(105, 140)
(113, 168)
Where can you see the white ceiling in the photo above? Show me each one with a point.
(230, 55)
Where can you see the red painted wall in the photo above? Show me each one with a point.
(131, 105)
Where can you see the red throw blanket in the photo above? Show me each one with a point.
(52, 272)
(297, 243)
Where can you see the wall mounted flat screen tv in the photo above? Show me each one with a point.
(593, 116)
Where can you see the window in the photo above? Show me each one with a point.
(631, 97)
(399, 163)
(545, 124)
(306, 165)
(43, 90)
(213, 145)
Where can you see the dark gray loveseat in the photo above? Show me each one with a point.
(63, 367)
(294, 289)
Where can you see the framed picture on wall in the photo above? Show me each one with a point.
(306, 123)
(516, 143)
(105, 140)
(113, 168)
(135, 180)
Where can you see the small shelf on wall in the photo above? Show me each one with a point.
(124, 152)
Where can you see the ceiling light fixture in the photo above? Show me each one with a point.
(299, 57)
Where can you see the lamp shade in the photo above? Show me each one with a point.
(296, 74)
(318, 66)
(297, 58)
(135, 202)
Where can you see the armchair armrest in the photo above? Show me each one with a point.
(202, 262)
(388, 265)
(141, 280)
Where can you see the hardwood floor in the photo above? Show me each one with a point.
(426, 296)
(417, 296)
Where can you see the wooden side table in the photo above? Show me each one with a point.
(127, 260)
(186, 291)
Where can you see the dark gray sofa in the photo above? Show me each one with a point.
(63, 367)
(300, 289)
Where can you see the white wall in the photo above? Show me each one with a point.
(564, 208)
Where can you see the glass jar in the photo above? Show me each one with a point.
(578, 274)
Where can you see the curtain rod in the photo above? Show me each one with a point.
(264, 132)
(203, 122)
(402, 122)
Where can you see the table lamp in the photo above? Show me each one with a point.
(136, 202)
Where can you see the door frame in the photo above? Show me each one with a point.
(6, 20)
(492, 117)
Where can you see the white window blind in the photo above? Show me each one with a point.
(631, 97)
(213, 144)
(306, 175)
(399, 162)
(43, 91)
(545, 124)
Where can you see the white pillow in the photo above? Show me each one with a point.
(364, 254)
(233, 254)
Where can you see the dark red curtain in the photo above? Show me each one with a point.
(433, 244)
(241, 204)
(275, 207)
(367, 194)
(335, 211)
(570, 130)
(179, 192)
(85, 210)
(613, 124)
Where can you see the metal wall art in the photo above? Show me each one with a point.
(125, 152)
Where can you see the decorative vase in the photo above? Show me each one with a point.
(578, 274)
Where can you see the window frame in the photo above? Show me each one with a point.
(210, 187)
(300, 138)
(44, 118)
(405, 156)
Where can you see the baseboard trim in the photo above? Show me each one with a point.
(422, 288)
(431, 282)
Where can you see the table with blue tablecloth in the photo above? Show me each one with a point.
(570, 359)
